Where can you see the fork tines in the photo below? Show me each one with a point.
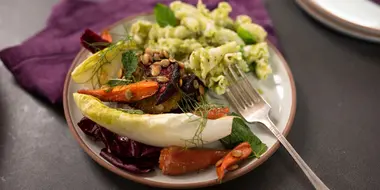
(240, 91)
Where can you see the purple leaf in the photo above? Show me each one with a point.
(92, 41)
(90, 128)
(120, 164)
(121, 151)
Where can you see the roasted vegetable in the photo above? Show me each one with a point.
(214, 113)
(190, 84)
(177, 160)
(160, 130)
(148, 105)
(125, 93)
(92, 41)
(240, 152)
(168, 89)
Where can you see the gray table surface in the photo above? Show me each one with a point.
(335, 130)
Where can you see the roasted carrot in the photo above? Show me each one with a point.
(240, 152)
(216, 113)
(106, 35)
(125, 93)
(177, 160)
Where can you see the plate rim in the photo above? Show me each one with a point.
(338, 23)
(140, 179)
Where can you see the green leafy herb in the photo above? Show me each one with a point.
(241, 133)
(132, 111)
(164, 16)
(130, 61)
(245, 35)
(117, 82)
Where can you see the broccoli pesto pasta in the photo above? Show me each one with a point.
(207, 41)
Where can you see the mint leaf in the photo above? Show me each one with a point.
(130, 61)
(245, 35)
(242, 133)
(164, 15)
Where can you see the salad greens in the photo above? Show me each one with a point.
(241, 133)
(130, 62)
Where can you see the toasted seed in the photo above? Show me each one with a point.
(233, 167)
(237, 153)
(156, 70)
(196, 84)
(180, 82)
(146, 59)
(156, 57)
(201, 90)
(172, 60)
(120, 73)
(165, 54)
(219, 163)
(164, 62)
(128, 94)
(162, 79)
(105, 87)
(148, 51)
(181, 65)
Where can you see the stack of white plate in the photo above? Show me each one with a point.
(357, 18)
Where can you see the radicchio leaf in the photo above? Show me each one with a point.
(92, 41)
(121, 151)
(120, 164)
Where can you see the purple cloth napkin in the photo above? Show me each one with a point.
(40, 63)
(376, 1)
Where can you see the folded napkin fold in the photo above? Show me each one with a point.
(40, 63)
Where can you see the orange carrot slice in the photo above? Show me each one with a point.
(125, 93)
(244, 150)
(177, 161)
(106, 35)
(215, 113)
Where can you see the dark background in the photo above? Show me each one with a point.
(335, 130)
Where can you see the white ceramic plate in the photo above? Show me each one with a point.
(357, 18)
(279, 90)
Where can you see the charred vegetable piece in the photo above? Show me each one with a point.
(148, 105)
(177, 160)
(168, 89)
(240, 152)
(125, 93)
(190, 84)
(93, 42)
(215, 113)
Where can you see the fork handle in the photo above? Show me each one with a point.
(318, 184)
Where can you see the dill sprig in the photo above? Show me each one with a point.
(106, 58)
(201, 108)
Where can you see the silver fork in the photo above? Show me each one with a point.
(249, 103)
